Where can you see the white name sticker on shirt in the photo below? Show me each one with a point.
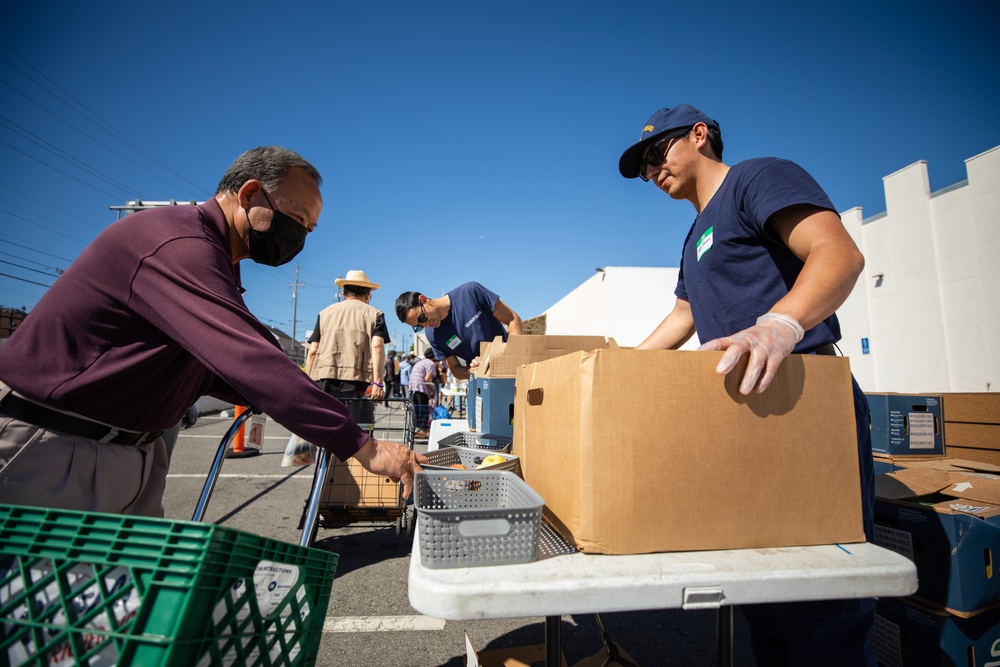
(705, 242)
(453, 342)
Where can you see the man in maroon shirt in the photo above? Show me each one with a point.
(147, 319)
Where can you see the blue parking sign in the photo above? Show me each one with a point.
(864, 346)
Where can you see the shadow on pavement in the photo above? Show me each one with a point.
(360, 549)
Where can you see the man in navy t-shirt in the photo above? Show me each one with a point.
(458, 322)
(764, 266)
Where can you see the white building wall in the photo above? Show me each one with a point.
(928, 302)
(933, 322)
(855, 324)
(621, 302)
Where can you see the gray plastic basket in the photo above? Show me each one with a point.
(491, 441)
(473, 518)
(471, 458)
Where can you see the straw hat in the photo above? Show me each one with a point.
(359, 278)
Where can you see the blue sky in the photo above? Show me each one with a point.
(464, 140)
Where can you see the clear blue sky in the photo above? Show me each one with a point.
(465, 140)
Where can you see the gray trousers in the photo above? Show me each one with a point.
(46, 468)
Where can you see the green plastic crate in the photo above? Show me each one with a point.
(84, 588)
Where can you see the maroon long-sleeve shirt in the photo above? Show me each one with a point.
(150, 317)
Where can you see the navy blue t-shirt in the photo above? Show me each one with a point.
(470, 321)
(733, 267)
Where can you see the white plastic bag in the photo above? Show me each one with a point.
(298, 452)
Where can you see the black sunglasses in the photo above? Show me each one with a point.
(421, 318)
(655, 155)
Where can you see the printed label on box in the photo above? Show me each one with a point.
(921, 430)
(900, 541)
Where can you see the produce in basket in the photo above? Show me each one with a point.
(491, 460)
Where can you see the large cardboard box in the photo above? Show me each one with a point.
(908, 634)
(348, 485)
(991, 456)
(494, 392)
(974, 407)
(944, 516)
(640, 451)
(907, 424)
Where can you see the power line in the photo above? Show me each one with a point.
(107, 126)
(89, 185)
(27, 268)
(40, 252)
(45, 203)
(24, 280)
(58, 152)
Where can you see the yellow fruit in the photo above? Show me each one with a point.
(491, 460)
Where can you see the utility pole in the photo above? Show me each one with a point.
(338, 296)
(295, 302)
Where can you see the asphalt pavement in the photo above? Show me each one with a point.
(370, 622)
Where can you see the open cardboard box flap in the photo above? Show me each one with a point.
(501, 359)
(914, 482)
(949, 464)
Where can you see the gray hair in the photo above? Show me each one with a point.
(267, 164)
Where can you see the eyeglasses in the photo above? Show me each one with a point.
(421, 318)
(655, 155)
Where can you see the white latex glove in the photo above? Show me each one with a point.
(769, 341)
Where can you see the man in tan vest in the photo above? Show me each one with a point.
(347, 348)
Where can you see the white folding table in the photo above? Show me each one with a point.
(576, 583)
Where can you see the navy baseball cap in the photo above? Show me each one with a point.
(661, 122)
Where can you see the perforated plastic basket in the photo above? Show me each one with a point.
(473, 518)
(471, 458)
(491, 441)
(83, 588)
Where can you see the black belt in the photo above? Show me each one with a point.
(829, 349)
(39, 415)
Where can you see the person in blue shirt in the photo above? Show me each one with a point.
(766, 263)
(456, 323)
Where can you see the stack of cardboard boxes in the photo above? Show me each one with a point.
(938, 503)
(625, 470)
(972, 422)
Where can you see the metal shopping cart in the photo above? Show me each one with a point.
(344, 493)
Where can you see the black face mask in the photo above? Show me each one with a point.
(283, 240)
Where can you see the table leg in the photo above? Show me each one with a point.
(724, 636)
(553, 641)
